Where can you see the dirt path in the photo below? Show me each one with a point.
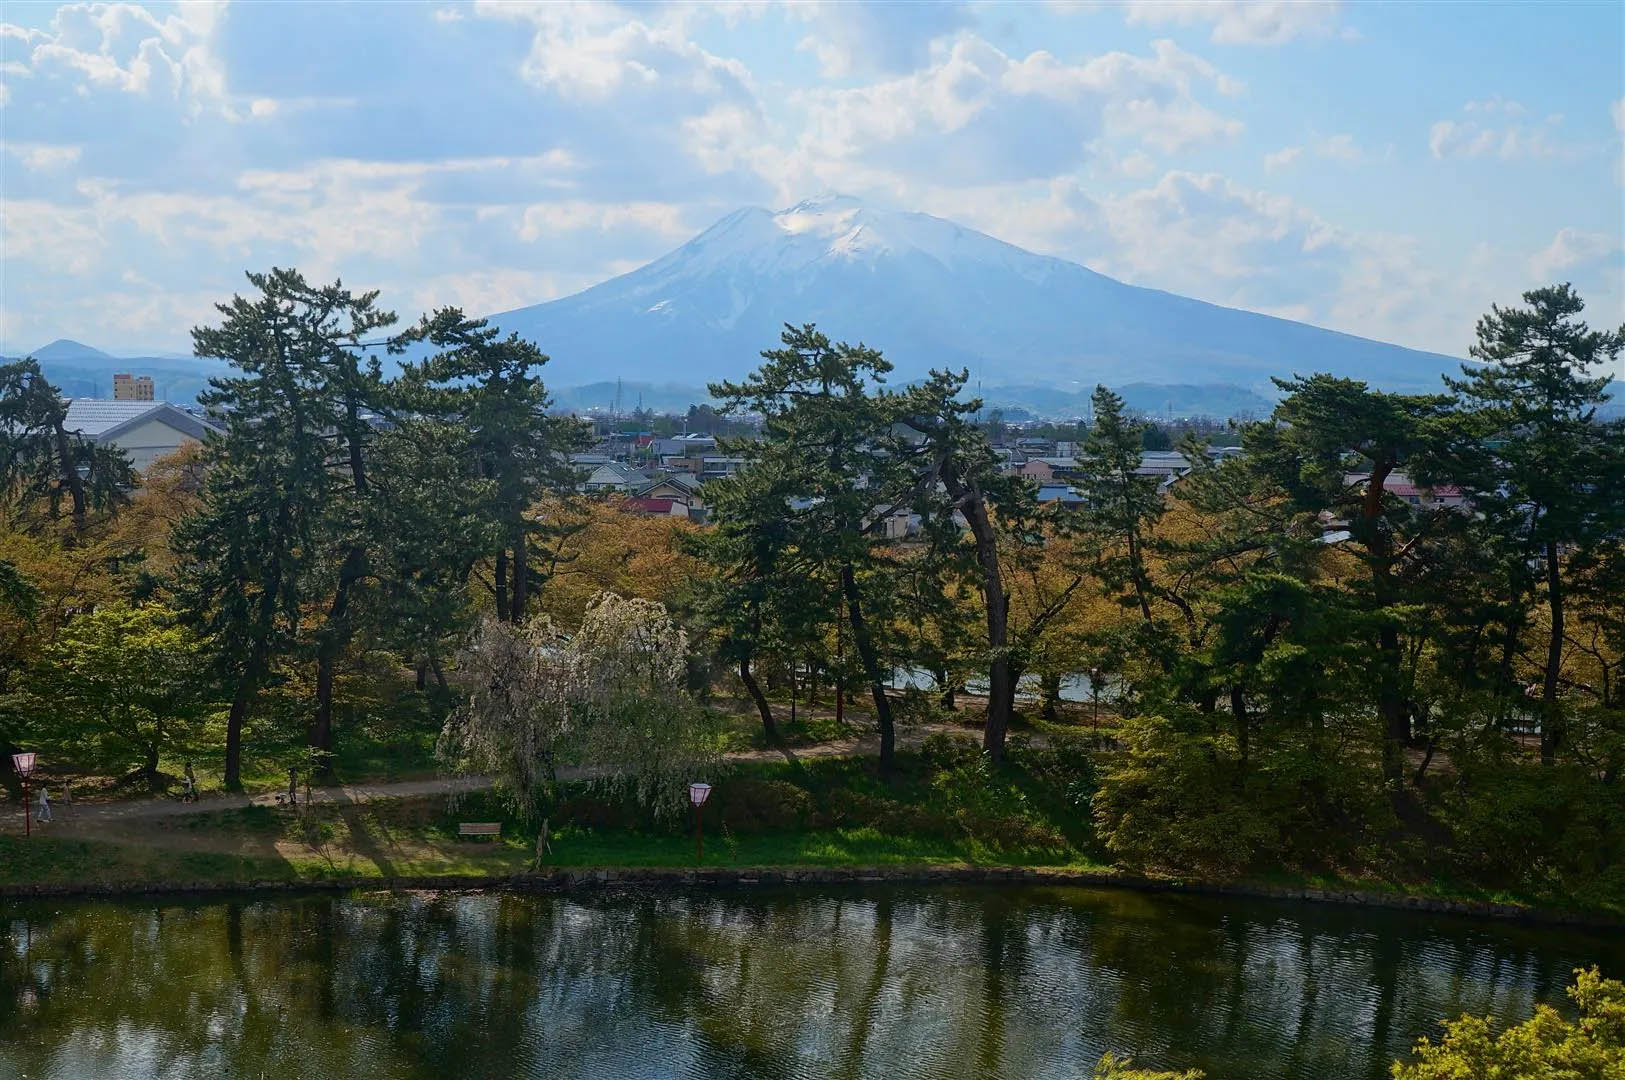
(86, 816)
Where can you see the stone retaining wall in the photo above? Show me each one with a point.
(732, 877)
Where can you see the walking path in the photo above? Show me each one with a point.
(87, 814)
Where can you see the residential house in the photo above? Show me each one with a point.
(612, 477)
(144, 430)
(715, 465)
(656, 507)
(1167, 465)
(1059, 494)
(1050, 468)
(680, 488)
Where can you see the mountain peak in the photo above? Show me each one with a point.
(828, 202)
(67, 349)
(930, 294)
(832, 228)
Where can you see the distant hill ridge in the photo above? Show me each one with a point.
(1036, 332)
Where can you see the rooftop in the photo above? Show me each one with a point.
(97, 418)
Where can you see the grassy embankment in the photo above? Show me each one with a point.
(830, 811)
(941, 808)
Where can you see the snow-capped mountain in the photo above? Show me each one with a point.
(928, 293)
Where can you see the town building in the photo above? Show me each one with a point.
(132, 387)
(144, 430)
(656, 507)
(610, 477)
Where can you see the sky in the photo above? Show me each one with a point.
(1390, 170)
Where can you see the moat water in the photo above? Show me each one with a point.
(882, 982)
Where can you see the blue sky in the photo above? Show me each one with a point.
(1385, 169)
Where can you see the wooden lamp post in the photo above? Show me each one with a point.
(24, 764)
(697, 794)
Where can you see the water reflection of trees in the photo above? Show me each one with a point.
(885, 983)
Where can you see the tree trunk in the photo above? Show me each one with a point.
(1238, 709)
(503, 614)
(1390, 702)
(1049, 686)
(521, 581)
(754, 689)
(1427, 759)
(234, 731)
(70, 475)
(335, 635)
(1551, 722)
(8, 773)
(149, 769)
(871, 668)
(1396, 719)
(1001, 689)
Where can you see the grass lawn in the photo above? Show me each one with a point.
(940, 808)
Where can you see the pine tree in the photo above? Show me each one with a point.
(757, 602)
(253, 552)
(43, 464)
(1543, 456)
(1120, 509)
(1327, 455)
(822, 429)
(955, 459)
(491, 388)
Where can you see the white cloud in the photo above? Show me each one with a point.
(593, 50)
(1137, 165)
(485, 292)
(1339, 148)
(1241, 22)
(980, 114)
(1570, 248)
(543, 219)
(868, 38)
(1496, 105)
(43, 156)
(124, 47)
(1493, 128)
(1283, 158)
(50, 237)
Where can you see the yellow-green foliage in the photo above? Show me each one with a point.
(1545, 1047)
(1112, 1067)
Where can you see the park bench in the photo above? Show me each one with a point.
(480, 828)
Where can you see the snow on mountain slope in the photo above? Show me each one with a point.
(928, 293)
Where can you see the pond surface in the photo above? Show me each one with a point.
(880, 982)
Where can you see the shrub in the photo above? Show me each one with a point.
(1172, 800)
(1547, 1045)
(943, 750)
(1539, 827)
(751, 805)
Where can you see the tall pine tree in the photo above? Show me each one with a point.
(1543, 457)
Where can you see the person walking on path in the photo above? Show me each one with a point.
(293, 785)
(43, 814)
(543, 849)
(189, 785)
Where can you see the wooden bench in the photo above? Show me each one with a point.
(492, 829)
